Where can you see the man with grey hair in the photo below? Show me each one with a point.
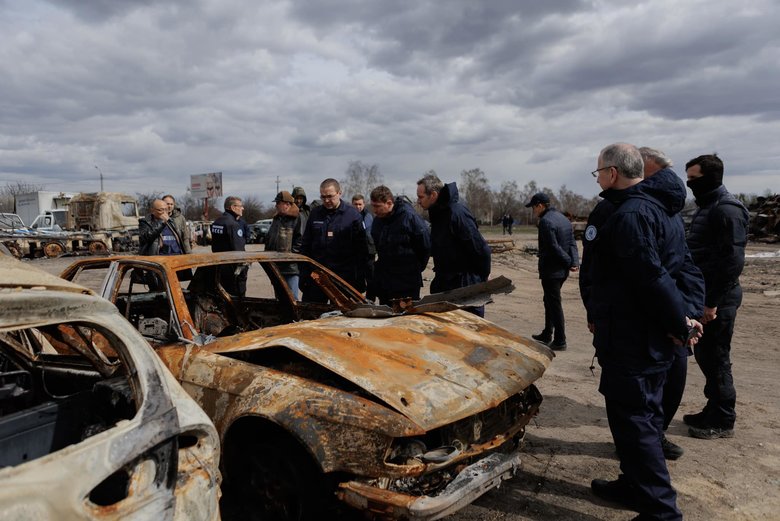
(654, 160)
(638, 313)
(229, 233)
(461, 256)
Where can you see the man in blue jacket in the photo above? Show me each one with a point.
(637, 308)
(334, 236)
(461, 256)
(228, 233)
(557, 257)
(403, 245)
(717, 240)
(662, 183)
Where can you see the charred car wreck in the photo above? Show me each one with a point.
(92, 425)
(409, 413)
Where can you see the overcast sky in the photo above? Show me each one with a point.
(149, 92)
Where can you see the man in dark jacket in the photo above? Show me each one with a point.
(299, 194)
(334, 236)
(661, 182)
(179, 222)
(228, 233)
(557, 257)
(637, 309)
(717, 239)
(157, 235)
(403, 245)
(285, 234)
(461, 256)
(359, 202)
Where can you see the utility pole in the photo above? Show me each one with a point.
(101, 177)
(277, 184)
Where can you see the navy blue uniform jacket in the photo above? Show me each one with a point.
(640, 275)
(337, 239)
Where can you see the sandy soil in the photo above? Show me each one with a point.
(569, 443)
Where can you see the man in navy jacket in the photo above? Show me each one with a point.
(461, 256)
(557, 257)
(637, 308)
(403, 245)
(334, 236)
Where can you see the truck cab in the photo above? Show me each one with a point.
(50, 220)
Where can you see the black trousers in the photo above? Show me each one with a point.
(553, 311)
(674, 387)
(713, 354)
(635, 415)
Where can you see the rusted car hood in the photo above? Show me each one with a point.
(433, 368)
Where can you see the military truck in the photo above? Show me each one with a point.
(97, 223)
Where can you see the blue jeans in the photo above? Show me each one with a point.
(292, 281)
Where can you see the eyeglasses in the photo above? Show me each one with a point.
(595, 173)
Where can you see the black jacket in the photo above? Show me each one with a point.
(149, 235)
(557, 247)
(461, 256)
(403, 245)
(228, 233)
(337, 239)
(634, 301)
(717, 239)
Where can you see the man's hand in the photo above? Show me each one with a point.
(709, 315)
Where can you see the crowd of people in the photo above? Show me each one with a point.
(654, 293)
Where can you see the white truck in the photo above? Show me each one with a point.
(30, 205)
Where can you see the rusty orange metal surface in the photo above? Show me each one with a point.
(346, 388)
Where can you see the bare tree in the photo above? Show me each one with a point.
(476, 193)
(360, 179)
(506, 200)
(10, 190)
(253, 209)
(145, 201)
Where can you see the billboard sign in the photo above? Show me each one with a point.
(206, 185)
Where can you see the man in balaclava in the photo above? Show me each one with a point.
(717, 239)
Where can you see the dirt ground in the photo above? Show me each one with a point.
(569, 443)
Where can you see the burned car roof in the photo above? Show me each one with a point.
(384, 404)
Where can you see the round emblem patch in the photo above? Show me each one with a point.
(590, 233)
(240, 233)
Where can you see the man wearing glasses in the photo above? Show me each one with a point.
(637, 311)
(335, 236)
(228, 233)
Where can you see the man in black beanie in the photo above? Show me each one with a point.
(717, 239)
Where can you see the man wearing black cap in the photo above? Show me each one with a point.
(557, 257)
(717, 239)
(285, 234)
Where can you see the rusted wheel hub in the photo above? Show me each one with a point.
(53, 249)
(97, 247)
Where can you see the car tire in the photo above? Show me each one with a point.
(274, 479)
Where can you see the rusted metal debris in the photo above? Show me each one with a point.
(765, 219)
(417, 414)
(501, 245)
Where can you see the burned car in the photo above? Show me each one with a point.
(92, 425)
(408, 413)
